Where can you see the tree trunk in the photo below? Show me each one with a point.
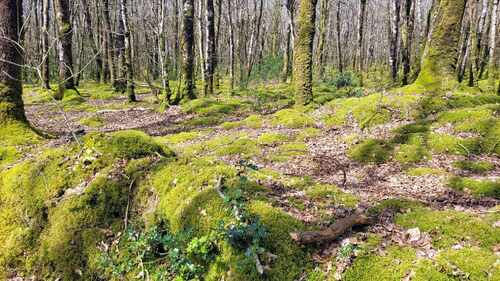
(162, 53)
(303, 52)
(187, 52)
(408, 40)
(65, 34)
(108, 39)
(439, 61)
(325, 14)
(394, 31)
(231, 45)
(492, 66)
(361, 23)
(201, 39)
(94, 43)
(288, 54)
(45, 71)
(127, 66)
(254, 43)
(211, 55)
(339, 42)
(11, 102)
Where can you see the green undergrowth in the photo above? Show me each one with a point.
(331, 194)
(271, 139)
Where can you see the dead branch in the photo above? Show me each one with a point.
(332, 232)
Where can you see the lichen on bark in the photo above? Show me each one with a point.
(440, 59)
(303, 52)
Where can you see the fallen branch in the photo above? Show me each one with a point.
(333, 232)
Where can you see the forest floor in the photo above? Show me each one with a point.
(432, 169)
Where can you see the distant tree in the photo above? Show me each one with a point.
(11, 102)
(187, 52)
(211, 52)
(65, 37)
(128, 71)
(45, 70)
(440, 58)
(303, 52)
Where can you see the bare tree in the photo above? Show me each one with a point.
(211, 52)
(127, 62)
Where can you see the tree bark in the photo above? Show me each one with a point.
(108, 42)
(289, 30)
(65, 34)
(187, 52)
(303, 52)
(231, 45)
(361, 24)
(492, 66)
(394, 33)
(162, 53)
(127, 66)
(211, 52)
(324, 14)
(94, 43)
(45, 71)
(339, 42)
(333, 232)
(408, 40)
(11, 102)
(439, 61)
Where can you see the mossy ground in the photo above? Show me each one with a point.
(58, 204)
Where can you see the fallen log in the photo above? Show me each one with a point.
(332, 232)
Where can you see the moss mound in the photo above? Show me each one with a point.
(189, 201)
(371, 151)
(292, 118)
(54, 208)
(126, 144)
(478, 188)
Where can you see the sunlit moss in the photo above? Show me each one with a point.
(478, 188)
(371, 151)
(292, 118)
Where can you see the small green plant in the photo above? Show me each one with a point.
(344, 79)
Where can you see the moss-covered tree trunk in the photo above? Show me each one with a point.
(127, 62)
(11, 103)
(440, 59)
(303, 62)
(65, 34)
(187, 51)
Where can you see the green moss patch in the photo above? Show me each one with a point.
(286, 151)
(425, 171)
(472, 263)
(92, 122)
(126, 144)
(271, 139)
(371, 151)
(180, 137)
(332, 195)
(474, 166)
(478, 188)
(189, 201)
(447, 227)
(292, 118)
